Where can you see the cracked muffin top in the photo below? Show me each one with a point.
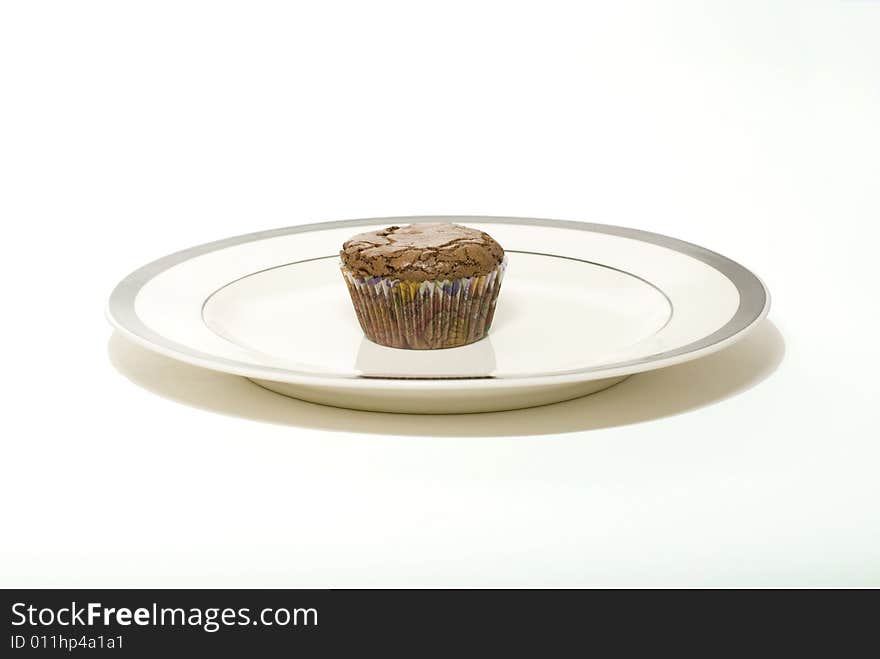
(419, 252)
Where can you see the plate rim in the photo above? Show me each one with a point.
(754, 305)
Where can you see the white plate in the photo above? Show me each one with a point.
(582, 307)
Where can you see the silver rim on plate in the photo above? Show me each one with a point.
(754, 303)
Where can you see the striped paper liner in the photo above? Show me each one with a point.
(425, 315)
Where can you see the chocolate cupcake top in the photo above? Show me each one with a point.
(420, 252)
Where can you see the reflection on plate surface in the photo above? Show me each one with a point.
(476, 360)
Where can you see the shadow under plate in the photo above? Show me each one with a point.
(642, 397)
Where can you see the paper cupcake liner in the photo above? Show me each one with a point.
(425, 315)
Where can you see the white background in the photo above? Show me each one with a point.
(129, 130)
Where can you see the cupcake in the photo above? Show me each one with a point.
(423, 286)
